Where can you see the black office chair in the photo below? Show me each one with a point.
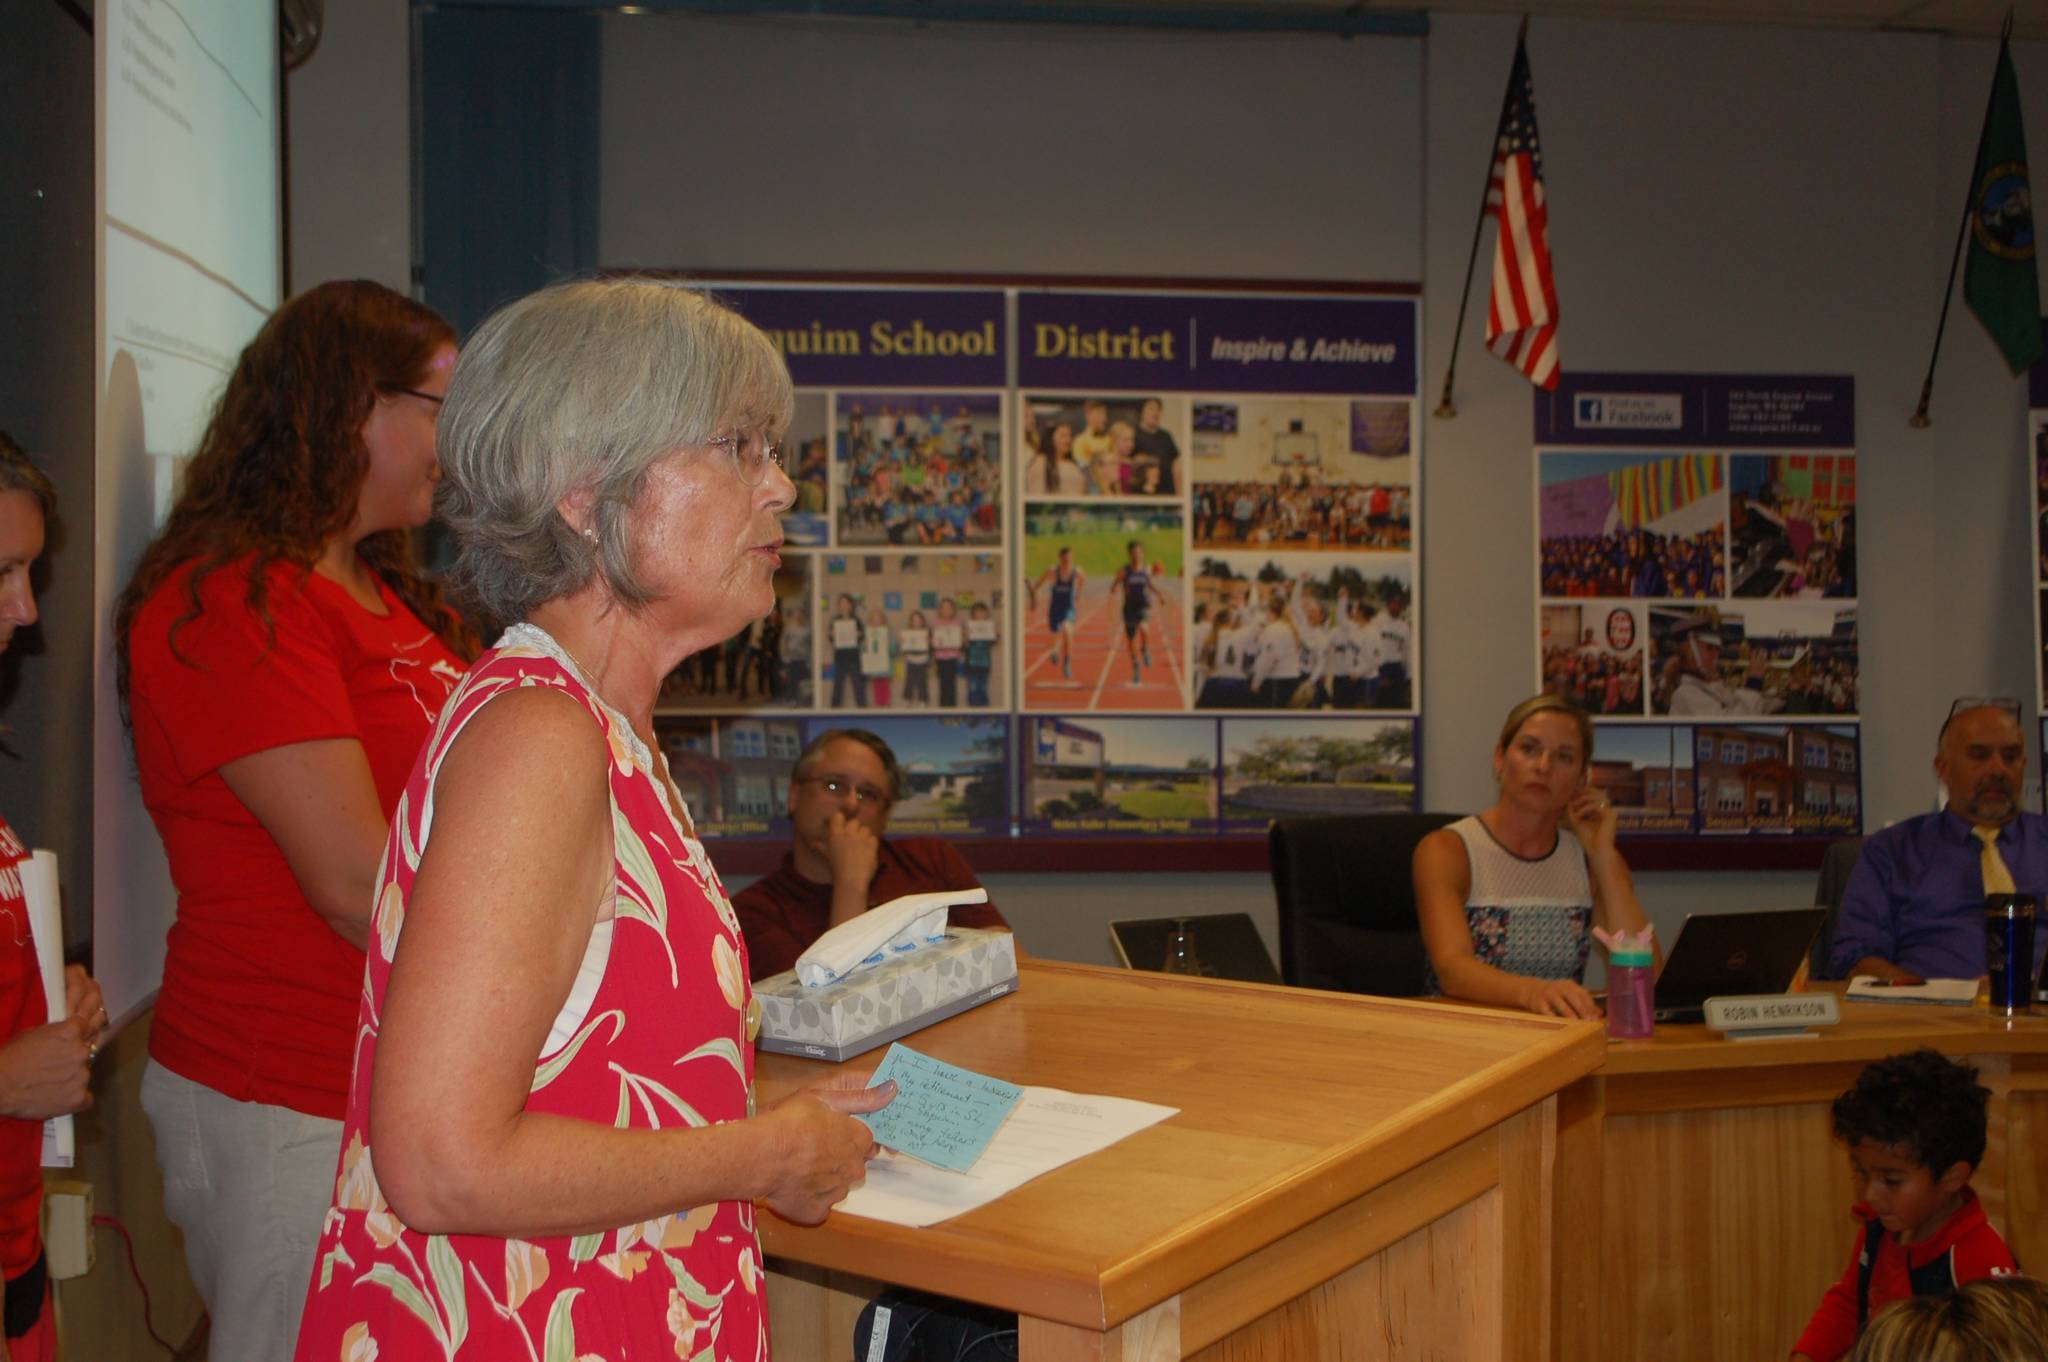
(1347, 901)
(1835, 865)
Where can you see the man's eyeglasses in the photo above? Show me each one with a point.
(867, 796)
(752, 454)
(436, 398)
(1964, 703)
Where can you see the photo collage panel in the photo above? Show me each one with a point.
(1277, 573)
(1124, 548)
(1696, 566)
(1698, 585)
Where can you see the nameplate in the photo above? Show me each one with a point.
(1773, 1013)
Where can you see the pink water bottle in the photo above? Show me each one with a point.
(1631, 990)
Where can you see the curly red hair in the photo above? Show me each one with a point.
(281, 465)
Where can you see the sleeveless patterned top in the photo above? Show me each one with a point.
(1527, 917)
(657, 1033)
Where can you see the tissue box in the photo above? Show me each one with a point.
(888, 1002)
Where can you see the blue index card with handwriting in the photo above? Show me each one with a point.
(942, 1114)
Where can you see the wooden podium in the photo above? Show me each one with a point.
(1347, 1176)
(1703, 1203)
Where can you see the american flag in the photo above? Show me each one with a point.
(1521, 315)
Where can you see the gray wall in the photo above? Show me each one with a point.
(1722, 199)
(742, 144)
(348, 187)
(46, 403)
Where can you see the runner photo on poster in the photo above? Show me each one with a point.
(918, 469)
(1793, 658)
(1593, 656)
(766, 665)
(909, 631)
(1088, 774)
(1100, 446)
(1300, 631)
(1104, 607)
(1638, 525)
(1792, 520)
(1275, 768)
(1306, 473)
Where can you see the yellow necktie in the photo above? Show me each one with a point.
(1997, 879)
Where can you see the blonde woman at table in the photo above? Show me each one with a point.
(551, 1145)
(1507, 898)
(1993, 1319)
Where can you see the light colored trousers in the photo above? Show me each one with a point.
(249, 1185)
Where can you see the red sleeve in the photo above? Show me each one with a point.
(952, 867)
(1980, 1254)
(1831, 1333)
(230, 687)
(772, 943)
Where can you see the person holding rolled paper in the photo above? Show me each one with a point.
(1507, 899)
(45, 1065)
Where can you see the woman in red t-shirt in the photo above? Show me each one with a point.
(44, 1065)
(282, 660)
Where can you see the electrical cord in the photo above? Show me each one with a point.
(108, 1222)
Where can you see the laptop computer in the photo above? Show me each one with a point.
(1723, 954)
(1226, 945)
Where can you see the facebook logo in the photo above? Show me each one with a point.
(1628, 411)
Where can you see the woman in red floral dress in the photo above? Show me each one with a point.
(551, 1148)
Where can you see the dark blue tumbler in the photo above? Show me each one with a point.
(2009, 950)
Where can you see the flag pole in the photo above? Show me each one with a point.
(1444, 407)
(1920, 419)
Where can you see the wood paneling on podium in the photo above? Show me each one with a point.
(1704, 1203)
(1349, 1176)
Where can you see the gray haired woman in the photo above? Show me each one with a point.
(551, 1131)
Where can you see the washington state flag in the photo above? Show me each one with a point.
(1999, 278)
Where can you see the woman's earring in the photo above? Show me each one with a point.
(590, 534)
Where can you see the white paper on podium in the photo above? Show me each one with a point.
(1047, 1128)
(46, 923)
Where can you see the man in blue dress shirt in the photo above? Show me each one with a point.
(1915, 902)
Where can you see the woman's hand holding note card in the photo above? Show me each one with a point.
(941, 1114)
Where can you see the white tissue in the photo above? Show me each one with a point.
(882, 932)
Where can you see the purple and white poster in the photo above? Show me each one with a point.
(2037, 473)
(1697, 593)
(1182, 530)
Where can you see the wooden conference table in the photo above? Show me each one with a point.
(1347, 1176)
(1702, 1203)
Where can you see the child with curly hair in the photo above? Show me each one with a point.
(1915, 1128)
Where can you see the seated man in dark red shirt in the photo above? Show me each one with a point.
(839, 865)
